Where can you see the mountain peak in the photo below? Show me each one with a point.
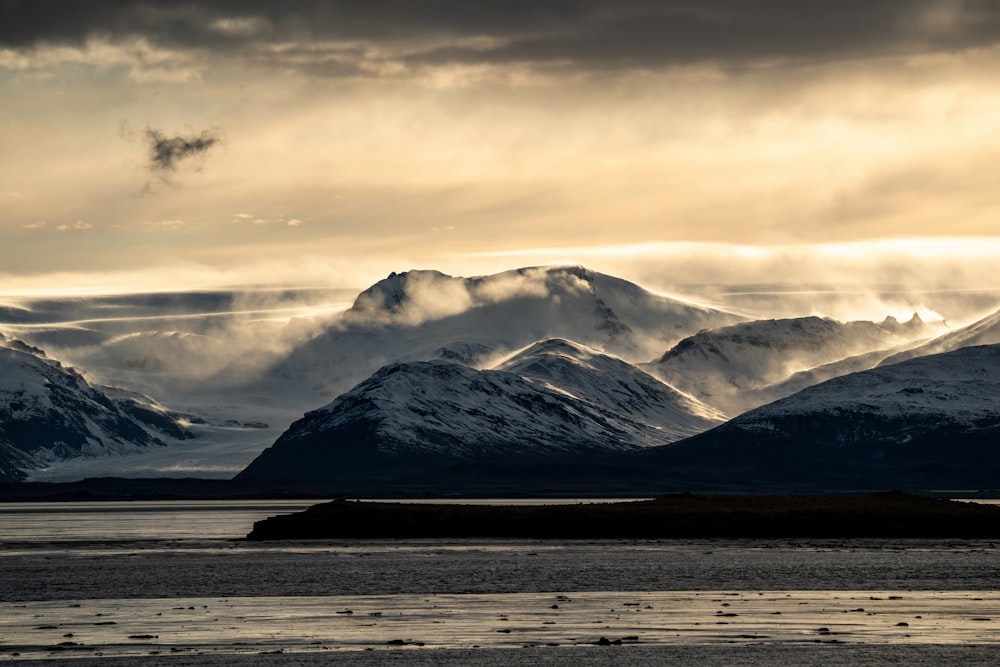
(391, 293)
(532, 303)
(560, 346)
(21, 346)
(893, 325)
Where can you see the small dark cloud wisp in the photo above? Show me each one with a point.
(165, 152)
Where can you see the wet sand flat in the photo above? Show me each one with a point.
(414, 623)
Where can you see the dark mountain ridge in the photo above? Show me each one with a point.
(930, 423)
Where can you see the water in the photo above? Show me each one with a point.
(170, 582)
(116, 521)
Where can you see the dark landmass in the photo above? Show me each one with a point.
(881, 515)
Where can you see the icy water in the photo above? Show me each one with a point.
(170, 583)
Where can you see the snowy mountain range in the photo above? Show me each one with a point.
(424, 371)
(554, 401)
(49, 412)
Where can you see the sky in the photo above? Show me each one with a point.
(164, 144)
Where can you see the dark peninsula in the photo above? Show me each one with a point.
(880, 515)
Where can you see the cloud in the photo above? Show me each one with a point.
(168, 224)
(145, 62)
(34, 225)
(261, 220)
(250, 218)
(368, 39)
(641, 34)
(165, 152)
(78, 226)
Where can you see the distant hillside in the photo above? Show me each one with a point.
(554, 401)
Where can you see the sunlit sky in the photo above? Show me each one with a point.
(199, 142)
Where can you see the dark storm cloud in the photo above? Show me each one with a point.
(660, 34)
(26, 22)
(585, 34)
(165, 152)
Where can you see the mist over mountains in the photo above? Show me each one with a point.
(424, 374)
(420, 315)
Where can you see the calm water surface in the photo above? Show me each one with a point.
(171, 583)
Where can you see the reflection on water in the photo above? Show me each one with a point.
(167, 578)
(177, 520)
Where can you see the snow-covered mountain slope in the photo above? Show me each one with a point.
(804, 379)
(50, 413)
(735, 367)
(423, 315)
(603, 382)
(985, 331)
(925, 422)
(553, 401)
